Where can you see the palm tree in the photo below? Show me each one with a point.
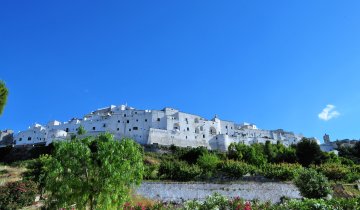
(3, 96)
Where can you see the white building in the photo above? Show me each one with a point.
(328, 146)
(164, 127)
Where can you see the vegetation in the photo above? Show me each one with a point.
(281, 171)
(15, 195)
(81, 130)
(217, 201)
(308, 152)
(83, 172)
(3, 96)
(312, 184)
(95, 173)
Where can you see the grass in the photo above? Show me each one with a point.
(10, 174)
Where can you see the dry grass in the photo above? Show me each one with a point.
(10, 174)
(151, 160)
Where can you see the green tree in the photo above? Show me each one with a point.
(312, 184)
(253, 154)
(3, 96)
(35, 172)
(81, 130)
(308, 152)
(208, 162)
(270, 151)
(93, 173)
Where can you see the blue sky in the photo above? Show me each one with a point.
(277, 64)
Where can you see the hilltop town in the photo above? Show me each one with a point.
(163, 127)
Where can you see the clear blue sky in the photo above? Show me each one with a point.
(277, 64)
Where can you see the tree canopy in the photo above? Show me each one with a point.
(308, 152)
(3, 96)
(93, 173)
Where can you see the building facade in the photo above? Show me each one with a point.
(164, 127)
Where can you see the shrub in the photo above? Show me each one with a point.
(283, 171)
(333, 171)
(190, 155)
(178, 170)
(16, 195)
(308, 152)
(320, 204)
(312, 184)
(208, 162)
(236, 169)
(215, 201)
(151, 171)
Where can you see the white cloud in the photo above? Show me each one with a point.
(328, 113)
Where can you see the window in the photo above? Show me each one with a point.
(104, 125)
(186, 137)
(34, 131)
(20, 139)
(130, 129)
(135, 128)
(204, 136)
(127, 121)
(226, 127)
(124, 115)
(29, 138)
(118, 129)
(118, 121)
(158, 119)
(67, 129)
(93, 128)
(145, 120)
(135, 112)
(187, 128)
(137, 120)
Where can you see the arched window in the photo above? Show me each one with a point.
(176, 126)
(197, 130)
(212, 131)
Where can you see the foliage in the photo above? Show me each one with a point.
(151, 172)
(208, 162)
(321, 204)
(236, 169)
(178, 170)
(3, 96)
(81, 130)
(312, 184)
(253, 154)
(190, 155)
(334, 171)
(95, 173)
(36, 173)
(283, 171)
(15, 195)
(308, 152)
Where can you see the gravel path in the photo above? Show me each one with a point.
(180, 192)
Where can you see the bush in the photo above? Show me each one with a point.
(178, 170)
(208, 162)
(190, 155)
(283, 171)
(236, 169)
(16, 195)
(346, 204)
(334, 171)
(151, 171)
(312, 184)
(215, 201)
(308, 152)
